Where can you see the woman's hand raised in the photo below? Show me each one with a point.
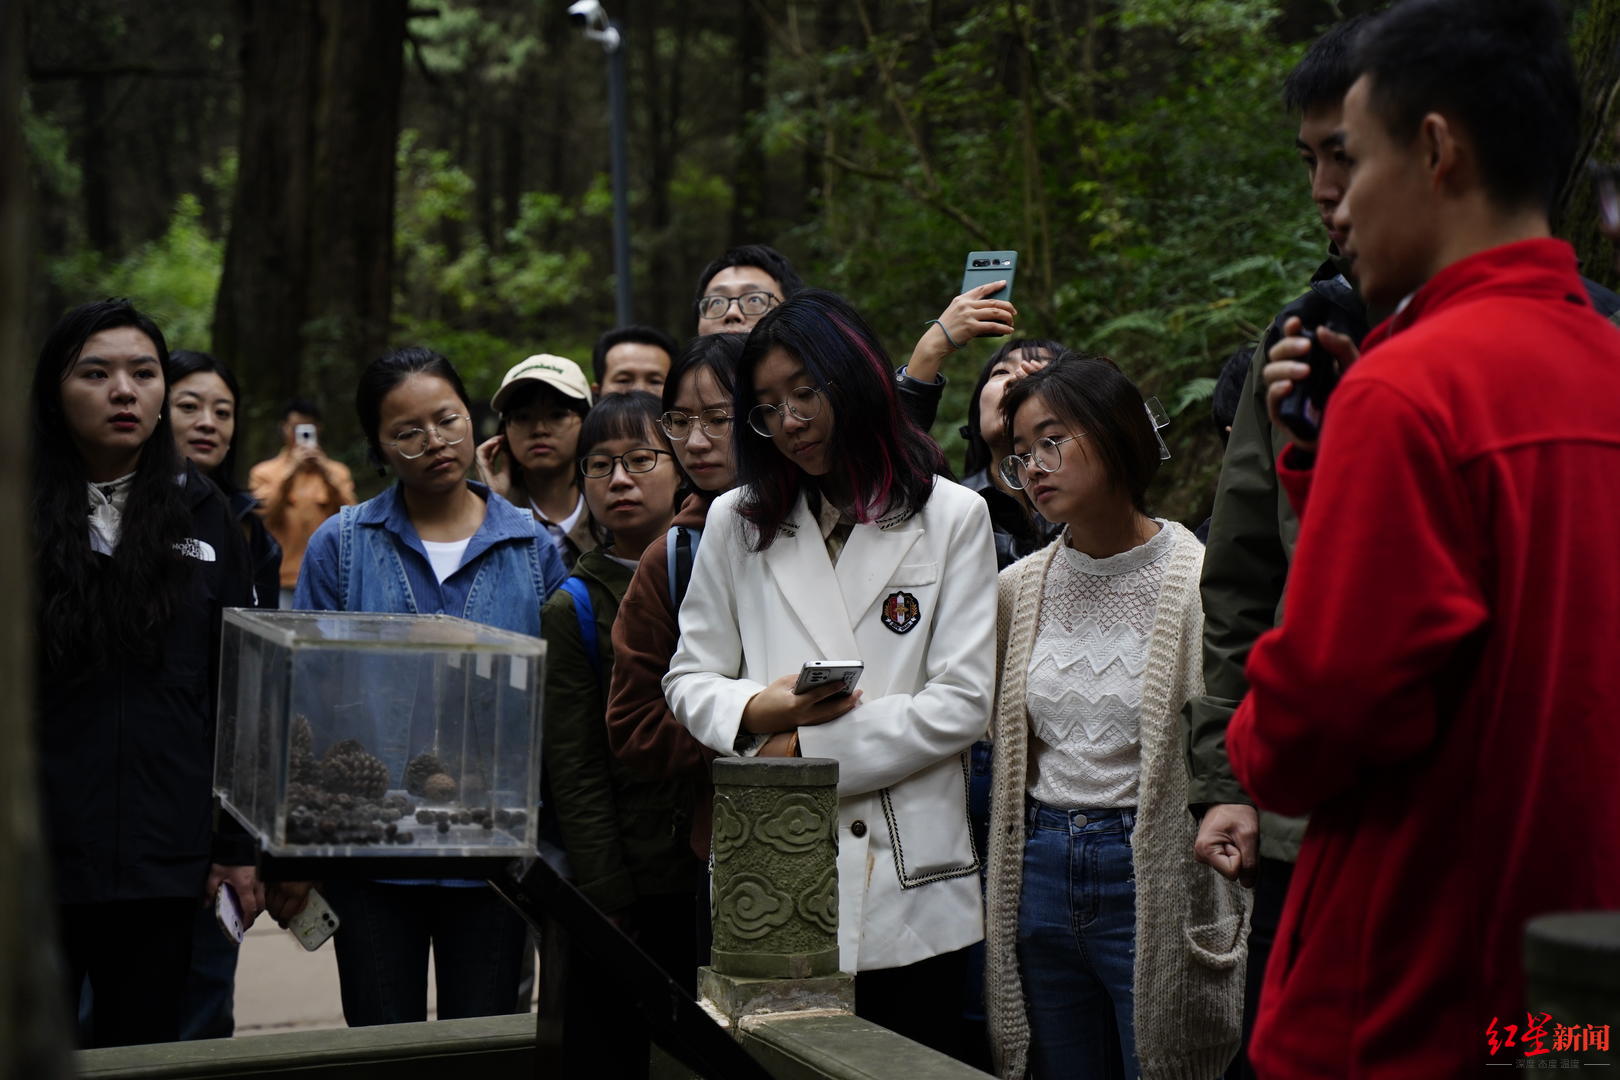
(777, 708)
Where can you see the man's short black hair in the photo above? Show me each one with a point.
(638, 335)
(1500, 69)
(767, 258)
(1325, 72)
(303, 407)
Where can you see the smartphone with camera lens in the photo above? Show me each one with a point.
(986, 266)
(816, 673)
(304, 435)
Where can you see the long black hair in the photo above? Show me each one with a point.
(387, 372)
(91, 610)
(887, 463)
(978, 453)
(184, 363)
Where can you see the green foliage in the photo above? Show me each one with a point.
(173, 278)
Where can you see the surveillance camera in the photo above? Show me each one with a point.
(588, 15)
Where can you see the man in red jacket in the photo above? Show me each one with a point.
(1441, 693)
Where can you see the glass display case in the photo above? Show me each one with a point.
(366, 736)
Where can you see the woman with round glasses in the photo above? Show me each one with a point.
(433, 543)
(841, 542)
(1110, 952)
(698, 420)
(625, 834)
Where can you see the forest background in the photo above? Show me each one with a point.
(297, 184)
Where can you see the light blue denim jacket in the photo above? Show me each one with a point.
(383, 566)
(370, 558)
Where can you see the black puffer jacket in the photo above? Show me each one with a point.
(126, 752)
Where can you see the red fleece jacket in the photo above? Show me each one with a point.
(1442, 691)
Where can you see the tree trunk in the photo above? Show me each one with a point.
(1597, 62)
(748, 176)
(305, 295)
(33, 1031)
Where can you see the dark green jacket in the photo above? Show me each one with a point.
(1251, 543)
(626, 837)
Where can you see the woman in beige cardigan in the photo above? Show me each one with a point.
(1111, 953)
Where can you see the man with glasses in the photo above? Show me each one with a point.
(736, 290)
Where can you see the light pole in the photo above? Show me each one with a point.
(589, 16)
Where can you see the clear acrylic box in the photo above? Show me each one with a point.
(363, 735)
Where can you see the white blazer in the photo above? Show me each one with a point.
(916, 601)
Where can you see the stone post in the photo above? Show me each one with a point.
(1572, 966)
(775, 892)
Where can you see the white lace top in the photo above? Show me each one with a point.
(1085, 673)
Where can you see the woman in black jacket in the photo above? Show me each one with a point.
(136, 554)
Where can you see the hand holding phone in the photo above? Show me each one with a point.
(779, 707)
(1302, 369)
(816, 673)
(304, 435)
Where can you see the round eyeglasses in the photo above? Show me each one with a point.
(1046, 456)
(804, 403)
(600, 466)
(751, 304)
(412, 443)
(716, 424)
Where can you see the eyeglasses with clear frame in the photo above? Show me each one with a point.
(412, 443)
(643, 459)
(716, 424)
(804, 403)
(1046, 455)
(751, 304)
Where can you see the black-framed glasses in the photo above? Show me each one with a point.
(1606, 181)
(716, 424)
(804, 403)
(750, 304)
(643, 459)
(1046, 455)
(412, 443)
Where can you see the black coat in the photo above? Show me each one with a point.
(126, 752)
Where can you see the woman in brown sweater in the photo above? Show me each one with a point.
(641, 730)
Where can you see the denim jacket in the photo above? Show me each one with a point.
(369, 558)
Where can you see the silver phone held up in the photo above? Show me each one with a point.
(816, 673)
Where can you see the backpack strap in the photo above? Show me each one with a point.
(585, 612)
(680, 546)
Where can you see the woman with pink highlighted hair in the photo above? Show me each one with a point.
(842, 542)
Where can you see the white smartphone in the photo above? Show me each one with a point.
(315, 923)
(304, 434)
(816, 673)
(228, 913)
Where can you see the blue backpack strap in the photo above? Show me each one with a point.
(585, 612)
(680, 548)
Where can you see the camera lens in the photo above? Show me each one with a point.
(981, 262)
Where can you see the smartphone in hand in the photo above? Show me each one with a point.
(987, 266)
(315, 923)
(228, 913)
(304, 435)
(816, 673)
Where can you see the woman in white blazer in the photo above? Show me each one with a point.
(841, 542)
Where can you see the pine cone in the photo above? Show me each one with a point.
(347, 769)
(421, 767)
(439, 788)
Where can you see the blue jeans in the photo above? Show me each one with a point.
(1077, 943)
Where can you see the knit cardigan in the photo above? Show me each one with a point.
(1192, 925)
